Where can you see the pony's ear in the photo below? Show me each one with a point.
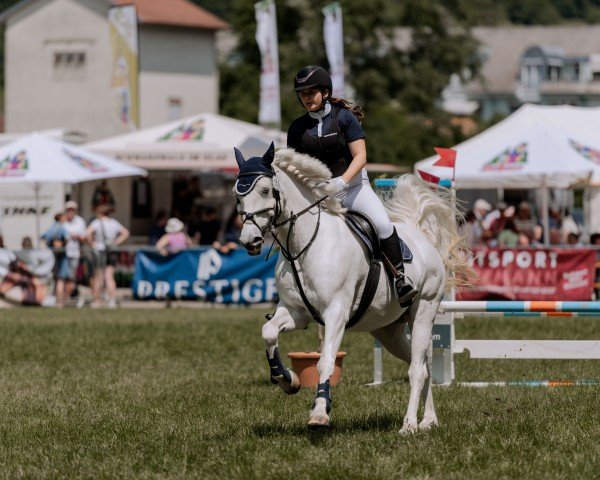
(269, 155)
(239, 158)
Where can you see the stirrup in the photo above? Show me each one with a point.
(405, 292)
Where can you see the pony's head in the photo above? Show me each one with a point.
(256, 198)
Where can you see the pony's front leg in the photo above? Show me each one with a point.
(335, 319)
(282, 321)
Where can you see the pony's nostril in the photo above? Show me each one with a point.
(257, 240)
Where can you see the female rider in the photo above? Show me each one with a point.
(330, 131)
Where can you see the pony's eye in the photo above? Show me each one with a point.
(264, 191)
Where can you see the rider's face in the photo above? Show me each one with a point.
(311, 98)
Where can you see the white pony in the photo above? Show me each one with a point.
(285, 193)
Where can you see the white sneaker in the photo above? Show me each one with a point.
(112, 303)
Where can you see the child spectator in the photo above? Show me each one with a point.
(175, 239)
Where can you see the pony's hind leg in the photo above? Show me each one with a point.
(281, 321)
(419, 371)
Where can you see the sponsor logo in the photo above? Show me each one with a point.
(85, 163)
(184, 132)
(588, 152)
(14, 165)
(510, 159)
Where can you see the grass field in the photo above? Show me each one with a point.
(185, 394)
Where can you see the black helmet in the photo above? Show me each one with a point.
(312, 76)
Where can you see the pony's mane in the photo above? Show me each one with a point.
(310, 172)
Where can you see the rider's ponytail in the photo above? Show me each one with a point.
(343, 103)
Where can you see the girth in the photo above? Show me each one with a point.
(372, 277)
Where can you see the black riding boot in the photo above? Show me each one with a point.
(390, 247)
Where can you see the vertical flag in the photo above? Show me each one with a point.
(266, 37)
(124, 71)
(333, 32)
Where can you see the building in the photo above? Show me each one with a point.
(61, 70)
(546, 65)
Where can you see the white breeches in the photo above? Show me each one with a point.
(359, 196)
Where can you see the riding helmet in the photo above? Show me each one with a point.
(312, 76)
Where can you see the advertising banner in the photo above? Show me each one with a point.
(266, 37)
(532, 274)
(333, 32)
(205, 275)
(125, 70)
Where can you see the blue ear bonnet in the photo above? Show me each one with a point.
(252, 169)
(250, 172)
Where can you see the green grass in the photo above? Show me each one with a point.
(185, 394)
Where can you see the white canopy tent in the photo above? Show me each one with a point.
(202, 142)
(535, 147)
(37, 160)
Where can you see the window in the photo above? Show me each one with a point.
(69, 65)
(175, 108)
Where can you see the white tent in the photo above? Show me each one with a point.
(37, 160)
(203, 142)
(535, 147)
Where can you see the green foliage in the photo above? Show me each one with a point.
(396, 84)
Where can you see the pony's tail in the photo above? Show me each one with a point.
(429, 208)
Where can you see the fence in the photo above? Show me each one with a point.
(445, 343)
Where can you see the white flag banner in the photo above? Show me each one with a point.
(333, 31)
(266, 37)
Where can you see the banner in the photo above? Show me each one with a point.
(205, 275)
(266, 37)
(532, 274)
(333, 32)
(124, 71)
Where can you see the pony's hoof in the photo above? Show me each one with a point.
(408, 429)
(428, 424)
(318, 422)
(292, 387)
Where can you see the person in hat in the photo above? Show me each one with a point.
(330, 131)
(105, 233)
(175, 239)
(76, 229)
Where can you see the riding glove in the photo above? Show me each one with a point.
(336, 185)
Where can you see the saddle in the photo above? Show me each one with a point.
(363, 228)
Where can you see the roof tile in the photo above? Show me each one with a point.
(182, 13)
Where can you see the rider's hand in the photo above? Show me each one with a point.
(336, 185)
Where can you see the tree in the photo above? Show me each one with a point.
(397, 83)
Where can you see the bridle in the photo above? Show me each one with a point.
(273, 225)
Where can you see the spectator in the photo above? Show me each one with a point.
(175, 239)
(158, 229)
(76, 229)
(103, 196)
(56, 238)
(206, 231)
(526, 223)
(469, 229)
(233, 230)
(105, 233)
(595, 239)
(508, 236)
(481, 209)
(573, 240)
